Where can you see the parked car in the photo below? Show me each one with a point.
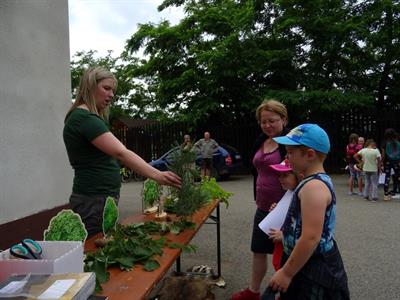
(226, 160)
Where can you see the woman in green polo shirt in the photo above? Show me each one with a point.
(94, 151)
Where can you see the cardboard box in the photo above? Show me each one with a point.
(58, 257)
(67, 286)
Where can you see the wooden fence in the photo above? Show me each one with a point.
(151, 141)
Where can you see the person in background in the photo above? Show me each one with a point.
(360, 142)
(311, 267)
(371, 159)
(360, 145)
(351, 149)
(187, 143)
(206, 147)
(94, 151)
(272, 117)
(391, 160)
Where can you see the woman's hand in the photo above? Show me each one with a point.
(276, 235)
(169, 178)
(273, 205)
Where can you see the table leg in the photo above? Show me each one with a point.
(218, 243)
(216, 221)
(178, 264)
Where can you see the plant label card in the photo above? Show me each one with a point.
(275, 219)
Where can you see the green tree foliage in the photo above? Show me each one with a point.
(215, 60)
(381, 49)
(347, 46)
(226, 56)
(133, 97)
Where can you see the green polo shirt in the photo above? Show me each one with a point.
(96, 173)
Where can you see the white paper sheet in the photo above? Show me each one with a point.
(277, 216)
(13, 287)
(57, 289)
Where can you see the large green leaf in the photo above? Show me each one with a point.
(126, 263)
(151, 265)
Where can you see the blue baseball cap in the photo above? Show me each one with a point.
(310, 135)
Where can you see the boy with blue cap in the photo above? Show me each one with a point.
(312, 267)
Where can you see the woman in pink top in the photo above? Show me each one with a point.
(272, 117)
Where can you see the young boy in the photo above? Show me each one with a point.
(312, 267)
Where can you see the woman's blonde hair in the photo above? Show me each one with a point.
(274, 106)
(87, 87)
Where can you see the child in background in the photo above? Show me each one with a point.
(391, 160)
(273, 222)
(360, 145)
(371, 158)
(312, 267)
(351, 149)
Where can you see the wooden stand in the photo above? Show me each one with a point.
(138, 283)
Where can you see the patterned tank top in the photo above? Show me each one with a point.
(292, 225)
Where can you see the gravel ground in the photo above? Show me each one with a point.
(367, 236)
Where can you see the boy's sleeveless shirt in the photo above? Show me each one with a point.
(292, 225)
(96, 173)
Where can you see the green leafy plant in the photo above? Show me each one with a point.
(190, 197)
(151, 192)
(211, 186)
(178, 226)
(130, 245)
(65, 226)
(183, 163)
(110, 215)
(169, 204)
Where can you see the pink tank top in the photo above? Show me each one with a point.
(268, 187)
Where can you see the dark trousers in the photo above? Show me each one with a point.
(90, 208)
(389, 165)
(323, 277)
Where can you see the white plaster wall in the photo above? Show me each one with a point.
(34, 96)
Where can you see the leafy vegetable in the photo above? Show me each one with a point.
(66, 226)
(110, 215)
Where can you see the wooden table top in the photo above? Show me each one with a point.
(138, 283)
